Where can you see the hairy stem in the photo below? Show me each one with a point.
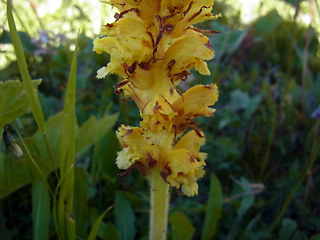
(159, 200)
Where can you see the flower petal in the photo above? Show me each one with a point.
(135, 146)
(191, 141)
(102, 72)
(196, 101)
(185, 169)
(189, 51)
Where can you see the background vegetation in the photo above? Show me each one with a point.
(262, 179)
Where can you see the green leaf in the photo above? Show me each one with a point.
(288, 230)
(81, 210)
(124, 218)
(252, 106)
(214, 207)
(268, 23)
(40, 211)
(182, 228)
(110, 232)
(315, 237)
(105, 153)
(239, 100)
(13, 175)
(31, 93)
(13, 100)
(19, 171)
(67, 156)
(96, 225)
(246, 203)
(228, 42)
(93, 130)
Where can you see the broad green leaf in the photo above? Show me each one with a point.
(96, 225)
(214, 207)
(93, 130)
(67, 156)
(40, 211)
(268, 23)
(26, 79)
(239, 100)
(124, 218)
(19, 171)
(110, 232)
(105, 153)
(182, 228)
(228, 42)
(13, 100)
(252, 106)
(13, 174)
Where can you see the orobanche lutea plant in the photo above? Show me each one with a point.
(153, 45)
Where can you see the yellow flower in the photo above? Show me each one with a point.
(153, 45)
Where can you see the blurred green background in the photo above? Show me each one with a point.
(263, 173)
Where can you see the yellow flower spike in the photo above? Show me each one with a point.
(153, 45)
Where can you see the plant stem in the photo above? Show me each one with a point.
(159, 201)
(51, 156)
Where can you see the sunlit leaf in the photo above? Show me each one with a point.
(19, 171)
(13, 175)
(13, 100)
(26, 79)
(67, 156)
(268, 23)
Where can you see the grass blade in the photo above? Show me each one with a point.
(40, 211)
(26, 79)
(67, 156)
(96, 225)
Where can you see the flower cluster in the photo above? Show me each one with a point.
(153, 45)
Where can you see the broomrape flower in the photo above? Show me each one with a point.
(153, 45)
